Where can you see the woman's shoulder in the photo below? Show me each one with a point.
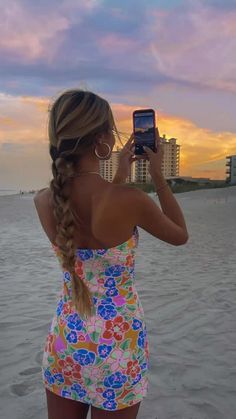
(41, 193)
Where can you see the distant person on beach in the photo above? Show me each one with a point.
(97, 351)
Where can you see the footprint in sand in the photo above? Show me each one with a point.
(22, 389)
(39, 357)
(30, 371)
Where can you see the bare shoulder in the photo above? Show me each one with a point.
(143, 211)
(41, 191)
(42, 197)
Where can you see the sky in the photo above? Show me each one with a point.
(177, 57)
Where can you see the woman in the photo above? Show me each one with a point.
(97, 352)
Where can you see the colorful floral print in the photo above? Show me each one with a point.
(104, 360)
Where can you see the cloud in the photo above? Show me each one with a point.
(129, 49)
(196, 46)
(25, 119)
(27, 36)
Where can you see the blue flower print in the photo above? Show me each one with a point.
(137, 379)
(131, 270)
(136, 324)
(144, 366)
(72, 337)
(109, 394)
(109, 283)
(84, 254)
(66, 276)
(112, 292)
(106, 300)
(95, 300)
(59, 378)
(84, 357)
(110, 404)
(114, 270)
(59, 307)
(74, 322)
(115, 380)
(66, 393)
(78, 390)
(104, 350)
(101, 251)
(49, 377)
(107, 309)
(141, 338)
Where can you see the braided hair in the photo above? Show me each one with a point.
(75, 118)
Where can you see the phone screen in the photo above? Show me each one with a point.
(144, 130)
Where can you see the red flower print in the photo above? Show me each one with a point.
(99, 389)
(66, 308)
(79, 268)
(81, 338)
(101, 281)
(116, 328)
(129, 260)
(133, 368)
(70, 369)
(49, 343)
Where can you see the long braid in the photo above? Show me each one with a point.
(81, 296)
(83, 115)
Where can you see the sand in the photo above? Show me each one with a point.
(188, 294)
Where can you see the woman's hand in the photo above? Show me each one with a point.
(126, 158)
(155, 158)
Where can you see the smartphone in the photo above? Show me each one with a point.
(144, 129)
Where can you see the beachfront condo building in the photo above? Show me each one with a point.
(139, 169)
(170, 164)
(231, 170)
(108, 167)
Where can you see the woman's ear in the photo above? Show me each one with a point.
(99, 138)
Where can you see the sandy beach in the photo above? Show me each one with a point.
(188, 294)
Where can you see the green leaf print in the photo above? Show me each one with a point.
(118, 393)
(124, 345)
(131, 307)
(129, 397)
(51, 359)
(89, 275)
(56, 330)
(74, 396)
(95, 336)
(87, 381)
(122, 246)
(71, 350)
(99, 361)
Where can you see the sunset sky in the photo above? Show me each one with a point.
(176, 56)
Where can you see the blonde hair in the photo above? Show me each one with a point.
(74, 114)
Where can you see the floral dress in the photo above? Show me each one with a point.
(102, 361)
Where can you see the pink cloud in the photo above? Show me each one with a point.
(197, 46)
(28, 36)
(113, 42)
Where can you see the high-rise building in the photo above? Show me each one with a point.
(139, 169)
(109, 167)
(231, 169)
(170, 163)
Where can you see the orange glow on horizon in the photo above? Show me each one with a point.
(202, 154)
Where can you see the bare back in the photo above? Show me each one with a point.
(103, 208)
